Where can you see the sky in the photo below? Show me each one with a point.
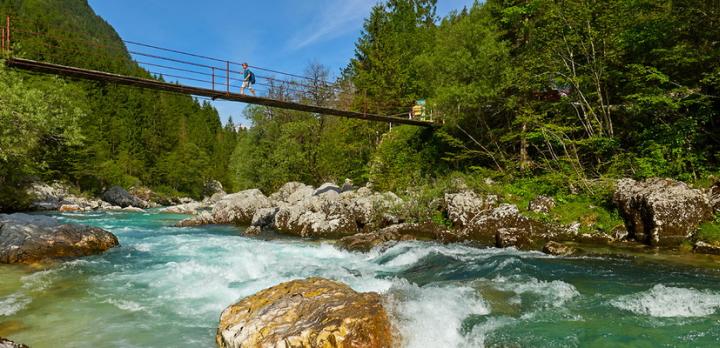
(284, 35)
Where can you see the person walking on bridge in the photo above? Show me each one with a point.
(248, 80)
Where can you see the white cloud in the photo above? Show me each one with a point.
(334, 19)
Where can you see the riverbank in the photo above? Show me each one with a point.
(660, 214)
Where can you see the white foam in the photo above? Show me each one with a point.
(39, 281)
(432, 316)
(479, 334)
(129, 306)
(552, 293)
(665, 301)
(12, 304)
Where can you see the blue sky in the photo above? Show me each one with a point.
(284, 35)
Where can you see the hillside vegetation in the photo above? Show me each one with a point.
(92, 134)
(586, 89)
(542, 96)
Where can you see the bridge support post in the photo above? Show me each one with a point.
(213, 78)
(227, 76)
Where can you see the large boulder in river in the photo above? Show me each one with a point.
(32, 238)
(118, 196)
(503, 226)
(661, 211)
(465, 206)
(314, 312)
(239, 208)
(47, 196)
(6, 343)
(57, 195)
(330, 221)
(334, 215)
(292, 192)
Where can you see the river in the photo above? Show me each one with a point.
(166, 287)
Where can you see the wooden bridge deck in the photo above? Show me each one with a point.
(55, 69)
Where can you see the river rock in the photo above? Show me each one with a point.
(513, 237)
(32, 238)
(56, 195)
(557, 249)
(239, 208)
(264, 217)
(518, 229)
(707, 248)
(347, 186)
(66, 208)
(300, 221)
(327, 187)
(661, 211)
(464, 206)
(186, 209)
(314, 312)
(202, 218)
(714, 195)
(6, 343)
(541, 204)
(47, 197)
(371, 209)
(364, 242)
(145, 194)
(292, 192)
(117, 195)
(333, 215)
(213, 187)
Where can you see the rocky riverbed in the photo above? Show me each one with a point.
(321, 312)
(657, 212)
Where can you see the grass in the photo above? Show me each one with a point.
(593, 218)
(710, 231)
(591, 207)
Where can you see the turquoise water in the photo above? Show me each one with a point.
(166, 287)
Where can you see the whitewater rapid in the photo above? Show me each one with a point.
(166, 286)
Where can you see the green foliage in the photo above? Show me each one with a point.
(406, 156)
(591, 216)
(97, 135)
(283, 146)
(542, 96)
(32, 121)
(710, 231)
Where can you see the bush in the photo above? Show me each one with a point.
(710, 231)
(406, 157)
